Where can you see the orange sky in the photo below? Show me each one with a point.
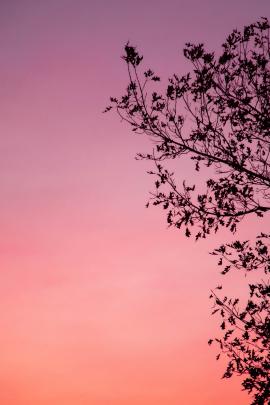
(100, 302)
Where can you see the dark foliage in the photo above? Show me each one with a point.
(218, 115)
(246, 328)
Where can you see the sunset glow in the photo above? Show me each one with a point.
(100, 302)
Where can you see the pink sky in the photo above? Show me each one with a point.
(100, 302)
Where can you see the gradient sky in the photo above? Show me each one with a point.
(100, 302)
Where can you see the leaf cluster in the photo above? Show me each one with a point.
(245, 327)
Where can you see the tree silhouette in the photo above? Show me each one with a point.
(246, 328)
(218, 115)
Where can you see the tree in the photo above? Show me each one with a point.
(218, 115)
(246, 328)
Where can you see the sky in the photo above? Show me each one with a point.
(100, 302)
